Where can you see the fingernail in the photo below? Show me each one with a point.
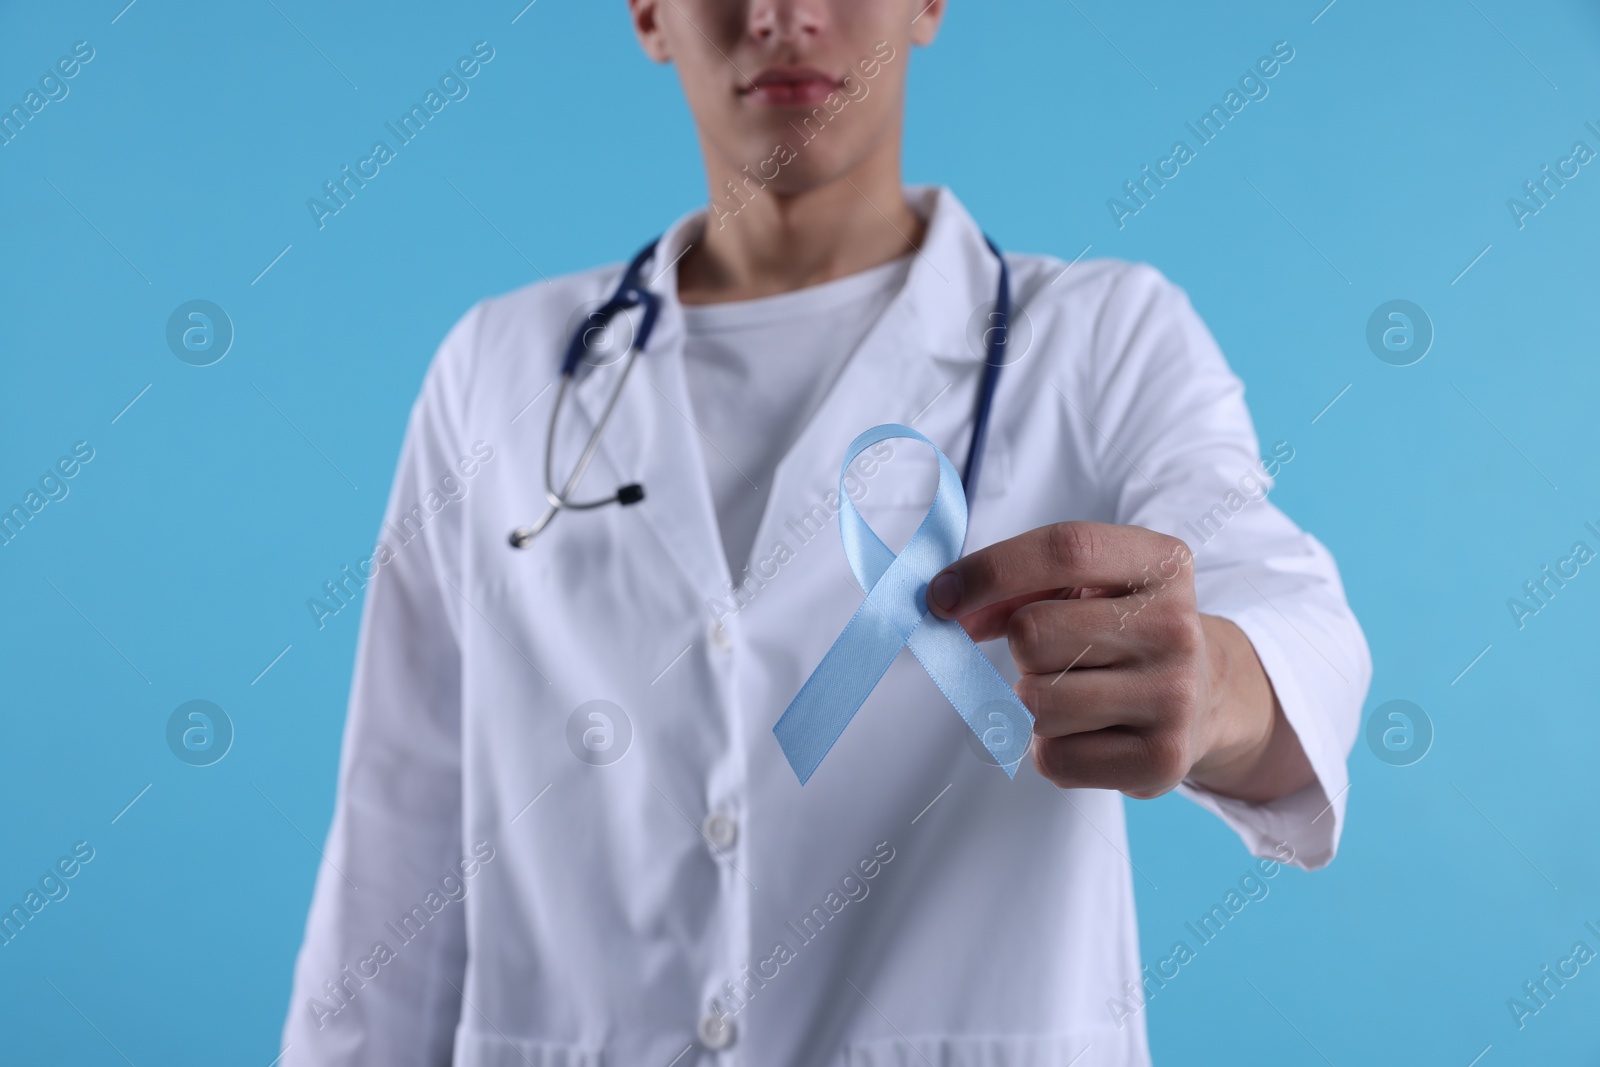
(945, 591)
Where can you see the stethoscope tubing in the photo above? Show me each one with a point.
(630, 293)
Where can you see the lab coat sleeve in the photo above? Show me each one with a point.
(1176, 431)
(396, 829)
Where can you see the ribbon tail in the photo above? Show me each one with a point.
(981, 696)
(847, 675)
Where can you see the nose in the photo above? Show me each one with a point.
(780, 22)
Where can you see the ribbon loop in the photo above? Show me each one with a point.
(895, 615)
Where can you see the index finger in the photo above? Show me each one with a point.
(1061, 555)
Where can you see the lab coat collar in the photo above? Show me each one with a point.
(952, 275)
(906, 362)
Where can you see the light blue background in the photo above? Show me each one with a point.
(188, 547)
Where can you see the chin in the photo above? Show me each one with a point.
(797, 178)
(785, 164)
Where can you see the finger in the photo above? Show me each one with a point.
(1060, 555)
(1048, 635)
(988, 623)
(1085, 699)
(1141, 763)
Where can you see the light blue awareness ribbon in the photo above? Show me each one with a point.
(895, 614)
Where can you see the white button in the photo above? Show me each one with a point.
(720, 830)
(719, 636)
(715, 1032)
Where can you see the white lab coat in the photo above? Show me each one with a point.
(563, 914)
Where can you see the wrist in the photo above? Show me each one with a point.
(1250, 751)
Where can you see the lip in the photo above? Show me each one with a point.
(790, 87)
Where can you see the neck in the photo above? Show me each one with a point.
(778, 242)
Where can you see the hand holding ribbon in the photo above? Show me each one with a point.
(895, 615)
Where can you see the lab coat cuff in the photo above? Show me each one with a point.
(1310, 820)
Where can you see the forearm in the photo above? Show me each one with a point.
(1252, 753)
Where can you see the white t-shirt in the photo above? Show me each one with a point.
(757, 370)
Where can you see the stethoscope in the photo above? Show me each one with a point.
(631, 293)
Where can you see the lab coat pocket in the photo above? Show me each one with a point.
(1092, 1047)
(479, 1048)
